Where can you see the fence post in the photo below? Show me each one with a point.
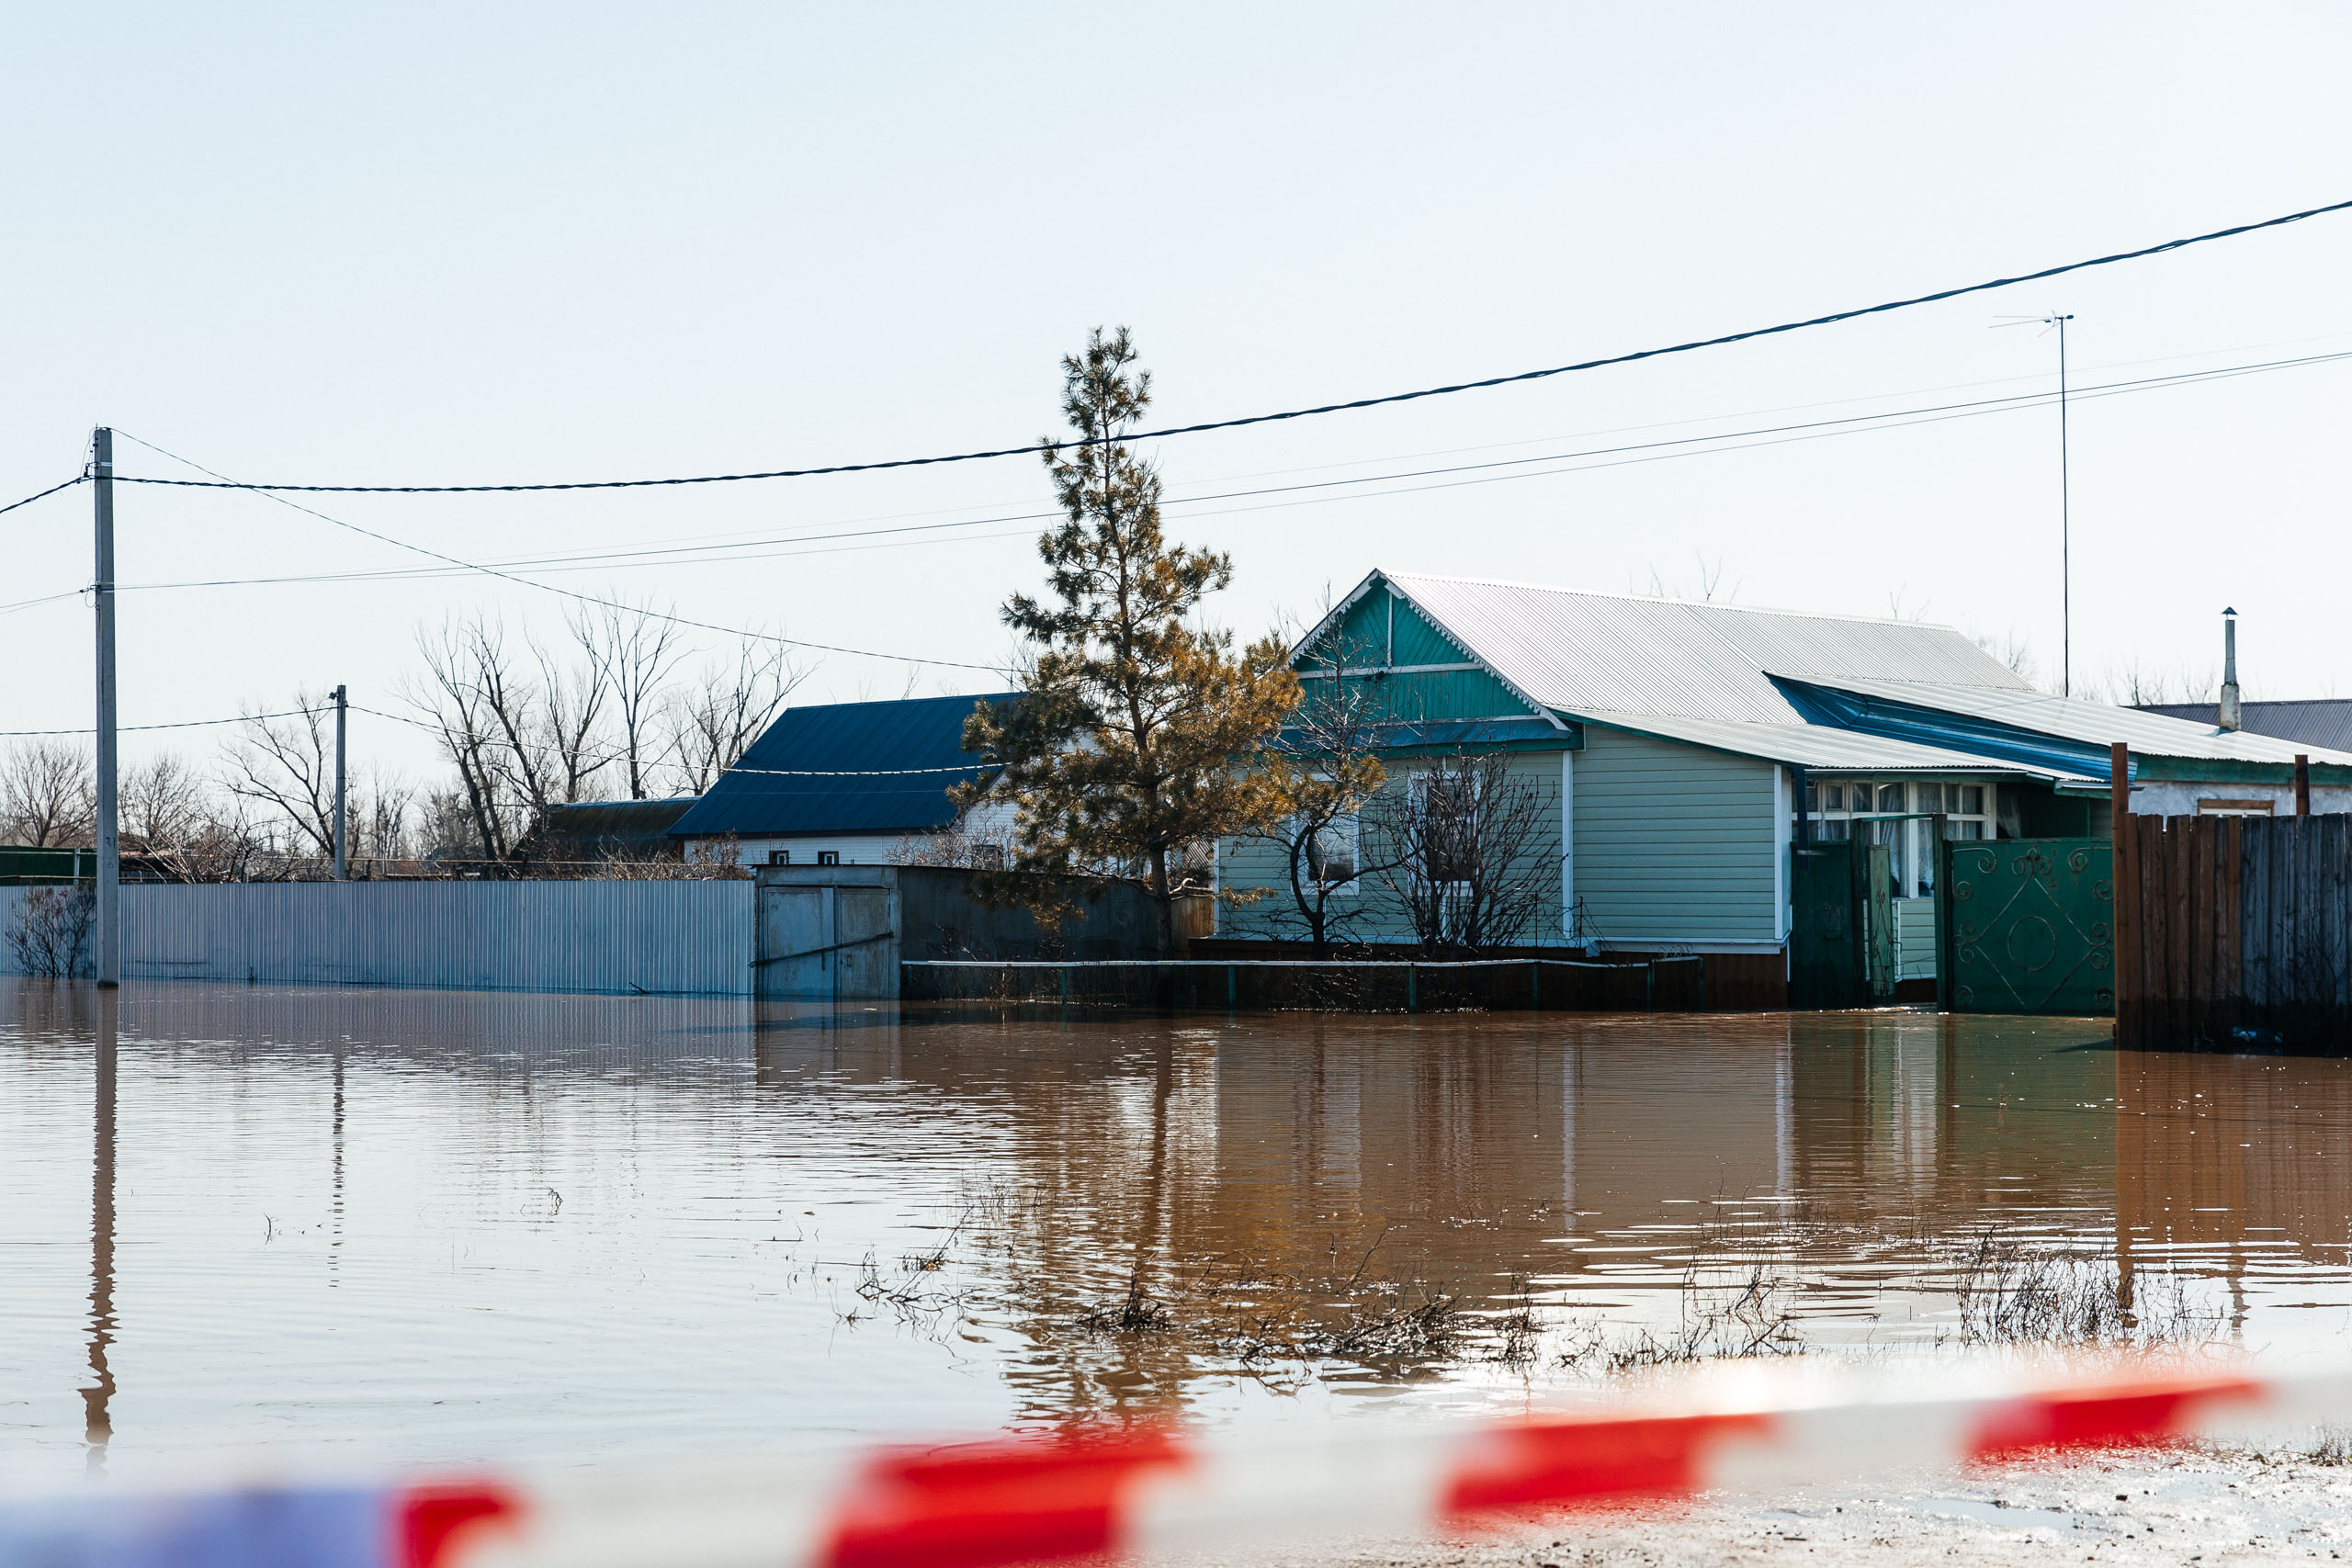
(1412, 993)
(1535, 984)
(2123, 873)
(1649, 984)
(1229, 988)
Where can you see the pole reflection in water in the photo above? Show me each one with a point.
(583, 1224)
(97, 1428)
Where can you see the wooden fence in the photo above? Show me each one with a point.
(2234, 934)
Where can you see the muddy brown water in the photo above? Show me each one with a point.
(444, 1225)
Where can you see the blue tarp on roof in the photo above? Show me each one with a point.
(869, 750)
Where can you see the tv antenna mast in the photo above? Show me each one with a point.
(2065, 506)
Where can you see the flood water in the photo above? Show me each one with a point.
(440, 1225)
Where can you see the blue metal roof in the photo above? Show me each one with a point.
(845, 768)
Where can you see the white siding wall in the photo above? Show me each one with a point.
(1676, 845)
(2179, 798)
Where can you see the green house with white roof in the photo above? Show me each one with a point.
(1666, 746)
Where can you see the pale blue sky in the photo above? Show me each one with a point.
(517, 242)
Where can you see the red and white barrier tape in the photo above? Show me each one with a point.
(1137, 1491)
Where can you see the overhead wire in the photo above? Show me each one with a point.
(1677, 446)
(1449, 390)
(563, 592)
(182, 724)
(45, 494)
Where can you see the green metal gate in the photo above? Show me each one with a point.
(1826, 954)
(2028, 925)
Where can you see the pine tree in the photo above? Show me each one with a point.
(1129, 744)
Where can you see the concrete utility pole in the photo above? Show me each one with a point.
(109, 911)
(342, 861)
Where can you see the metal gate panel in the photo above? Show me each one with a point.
(2030, 926)
(795, 943)
(865, 954)
(1826, 936)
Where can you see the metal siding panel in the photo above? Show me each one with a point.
(673, 938)
(1673, 844)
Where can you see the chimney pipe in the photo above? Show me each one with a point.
(2229, 715)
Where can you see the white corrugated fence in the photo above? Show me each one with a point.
(657, 938)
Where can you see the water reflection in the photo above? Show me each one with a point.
(453, 1224)
(97, 1428)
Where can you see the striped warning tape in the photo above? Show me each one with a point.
(1137, 1491)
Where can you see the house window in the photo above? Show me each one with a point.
(1330, 854)
(779, 857)
(1445, 808)
(2214, 807)
(829, 857)
(1907, 816)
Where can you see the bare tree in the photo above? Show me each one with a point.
(711, 726)
(285, 767)
(1464, 836)
(48, 798)
(1323, 767)
(1705, 587)
(569, 737)
(2013, 650)
(380, 816)
(453, 703)
(634, 652)
(51, 935)
(167, 814)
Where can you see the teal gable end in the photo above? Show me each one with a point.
(1680, 840)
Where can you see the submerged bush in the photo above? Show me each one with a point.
(52, 931)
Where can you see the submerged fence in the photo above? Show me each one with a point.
(617, 937)
(1495, 985)
(2234, 934)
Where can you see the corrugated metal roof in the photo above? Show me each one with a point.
(1818, 746)
(2068, 720)
(2323, 721)
(1589, 652)
(869, 748)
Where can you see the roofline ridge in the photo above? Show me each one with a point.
(1662, 598)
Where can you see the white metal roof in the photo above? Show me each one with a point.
(2072, 719)
(1603, 652)
(1817, 746)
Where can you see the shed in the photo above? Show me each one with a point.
(592, 830)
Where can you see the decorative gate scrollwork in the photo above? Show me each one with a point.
(2030, 926)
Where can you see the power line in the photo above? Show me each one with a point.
(1676, 446)
(183, 724)
(43, 495)
(1350, 406)
(551, 588)
(863, 772)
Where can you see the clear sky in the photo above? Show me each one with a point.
(515, 242)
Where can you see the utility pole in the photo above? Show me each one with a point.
(110, 910)
(2065, 510)
(342, 861)
(2065, 531)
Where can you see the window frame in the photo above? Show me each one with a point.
(1917, 843)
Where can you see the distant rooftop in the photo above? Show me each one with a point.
(845, 768)
(2324, 722)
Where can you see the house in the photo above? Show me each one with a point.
(2322, 724)
(852, 783)
(1664, 747)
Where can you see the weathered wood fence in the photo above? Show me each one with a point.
(2234, 934)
